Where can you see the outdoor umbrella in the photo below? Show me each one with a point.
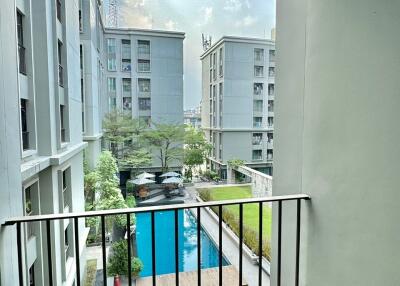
(172, 180)
(170, 174)
(145, 175)
(141, 181)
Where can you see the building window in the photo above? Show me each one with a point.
(258, 88)
(143, 47)
(270, 122)
(271, 71)
(215, 66)
(271, 55)
(270, 137)
(80, 16)
(144, 104)
(257, 138)
(259, 55)
(60, 68)
(59, 5)
(257, 155)
(143, 65)
(24, 124)
(111, 85)
(127, 103)
(126, 55)
(67, 241)
(257, 122)
(112, 103)
(21, 48)
(31, 278)
(62, 123)
(65, 187)
(220, 146)
(271, 89)
(144, 85)
(270, 154)
(111, 55)
(29, 210)
(221, 67)
(257, 106)
(126, 86)
(81, 57)
(270, 106)
(258, 71)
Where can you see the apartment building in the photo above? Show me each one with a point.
(237, 114)
(41, 147)
(144, 74)
(92, 75)
(192, 117)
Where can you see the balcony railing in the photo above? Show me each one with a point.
(47, 219)
(22, 59)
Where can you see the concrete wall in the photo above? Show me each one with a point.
(337, 112)
(261, 184)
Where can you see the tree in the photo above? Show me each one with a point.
(118, 261)
(166, 140)
(196, 149)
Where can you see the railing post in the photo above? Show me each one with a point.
(19, 249)
(279, 262)
(198, 247)
(78, 268)
(220, 244)
(153, 248)
(297, 242)
(260, 255)
(128, 232)
(103, 248)
(240, 244)
(176, 249)
(50, 263)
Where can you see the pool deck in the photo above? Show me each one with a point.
(209, 277)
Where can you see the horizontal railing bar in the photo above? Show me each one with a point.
(45, 217)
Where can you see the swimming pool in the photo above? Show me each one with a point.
(165, 243)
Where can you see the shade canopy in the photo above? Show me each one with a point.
(172, 180)
(141, 181)
(170, 174)
(145, 175)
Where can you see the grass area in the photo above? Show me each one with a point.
(91, 268)
(250, 213)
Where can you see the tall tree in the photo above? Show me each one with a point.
(196, 149)
(167, 141)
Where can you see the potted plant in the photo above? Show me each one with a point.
(118, 261)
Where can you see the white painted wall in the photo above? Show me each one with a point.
(337, 135)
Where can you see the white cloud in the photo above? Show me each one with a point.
(134, 13)
(170, 25)
(246, 22)
(236, 5)
(206, 16)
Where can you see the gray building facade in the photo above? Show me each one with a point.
(238, 78)
(41, 145)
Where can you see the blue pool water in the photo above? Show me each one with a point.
(165, 243)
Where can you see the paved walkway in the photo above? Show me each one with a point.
(230, 247)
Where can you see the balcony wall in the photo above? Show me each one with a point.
(325, 133)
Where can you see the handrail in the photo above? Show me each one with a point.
(14, 220)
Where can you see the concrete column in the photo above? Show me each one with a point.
(336, 138)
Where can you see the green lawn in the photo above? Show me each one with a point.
(250, 211)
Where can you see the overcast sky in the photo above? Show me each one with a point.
(251, 18)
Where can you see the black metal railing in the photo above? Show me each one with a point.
(19, 221)
(22, 59)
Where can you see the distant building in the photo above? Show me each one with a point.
(192, 117)
(237, 111)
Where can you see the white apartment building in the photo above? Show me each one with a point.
(237, 114)
(144, 74)
(41, 147)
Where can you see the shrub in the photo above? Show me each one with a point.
(118, 260)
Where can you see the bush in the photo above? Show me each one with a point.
(118, 261)
(250, 236)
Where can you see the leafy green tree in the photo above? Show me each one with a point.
(167, 141)
(118, 261)
(196, 149)
(236, 162)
